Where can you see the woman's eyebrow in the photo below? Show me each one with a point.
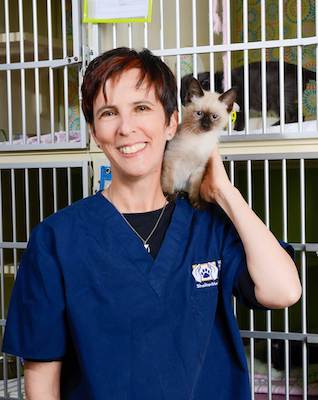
(147, 102)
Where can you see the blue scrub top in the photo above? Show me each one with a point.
(129, 327)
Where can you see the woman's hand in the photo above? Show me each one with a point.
(215, 183)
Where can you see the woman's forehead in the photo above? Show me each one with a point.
(128, 84)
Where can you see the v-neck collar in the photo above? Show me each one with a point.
(156, 271)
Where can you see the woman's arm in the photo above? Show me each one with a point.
(42, 380)
(272, 270)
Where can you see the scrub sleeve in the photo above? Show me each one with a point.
(36, 327)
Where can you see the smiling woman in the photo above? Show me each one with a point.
(127, 294)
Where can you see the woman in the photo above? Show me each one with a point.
(127, 295)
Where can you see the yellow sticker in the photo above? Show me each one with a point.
(233, 117)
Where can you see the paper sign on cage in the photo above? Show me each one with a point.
(117, 11)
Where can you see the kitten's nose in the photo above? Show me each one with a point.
(206, 123)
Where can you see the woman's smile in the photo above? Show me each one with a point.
(132, 149)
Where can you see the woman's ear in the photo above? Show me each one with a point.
(93, 134)
(173, 125)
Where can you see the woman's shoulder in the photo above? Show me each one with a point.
(207, 211)
(79, 212)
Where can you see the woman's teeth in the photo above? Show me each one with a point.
(132, 149)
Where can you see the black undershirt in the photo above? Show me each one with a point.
(144, 223)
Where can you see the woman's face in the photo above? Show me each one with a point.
(131, 127)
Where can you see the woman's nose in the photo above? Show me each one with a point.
(127, 125)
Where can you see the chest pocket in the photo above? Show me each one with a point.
(204, 301)
(204, 304)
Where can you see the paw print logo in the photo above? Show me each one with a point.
(205, 272)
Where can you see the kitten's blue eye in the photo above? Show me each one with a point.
(198, 114)
(214, 117)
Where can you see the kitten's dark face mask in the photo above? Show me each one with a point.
(205, 120)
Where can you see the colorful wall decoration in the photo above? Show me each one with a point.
(272, 33)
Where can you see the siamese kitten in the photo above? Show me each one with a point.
(186, 155)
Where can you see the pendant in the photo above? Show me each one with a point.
(147, 247)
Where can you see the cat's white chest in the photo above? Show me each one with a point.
(186, 156)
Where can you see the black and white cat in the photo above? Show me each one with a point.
(204, 116)
(255, 88)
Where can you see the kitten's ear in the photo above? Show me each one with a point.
(194, 89)
(228, 98)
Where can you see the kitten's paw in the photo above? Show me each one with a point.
(197, 202)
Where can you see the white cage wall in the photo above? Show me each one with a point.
(29, 191)
(40, 56)
(281, 191)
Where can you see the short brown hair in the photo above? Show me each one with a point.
(114, 62)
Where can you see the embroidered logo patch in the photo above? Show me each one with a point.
(206, 274)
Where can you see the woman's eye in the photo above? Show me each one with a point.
(142, 108)
(107, 113)
(198, 114)
(214, 117)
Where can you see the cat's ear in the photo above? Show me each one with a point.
(194, 89)
(228, 98)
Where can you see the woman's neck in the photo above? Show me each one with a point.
(137, 197)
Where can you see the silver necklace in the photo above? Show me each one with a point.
(144, 241)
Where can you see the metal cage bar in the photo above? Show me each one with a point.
(178, 45)
(8, 60)
(36, 71)
(2, 283)
(194, 37)
(22, 72)
(51, 78)
(281, 67)
(232, 179)
(303, 273)
(27, 201)
(41, 193)
(246, 69)
(268, 313)
(161, 31)
(285, 238)
(263, 67)
(211, 43)
(227, 73)
(316, 47)
(146, 34)
(130, 36)
(299, 69)
(251, 312)
(65, 72)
